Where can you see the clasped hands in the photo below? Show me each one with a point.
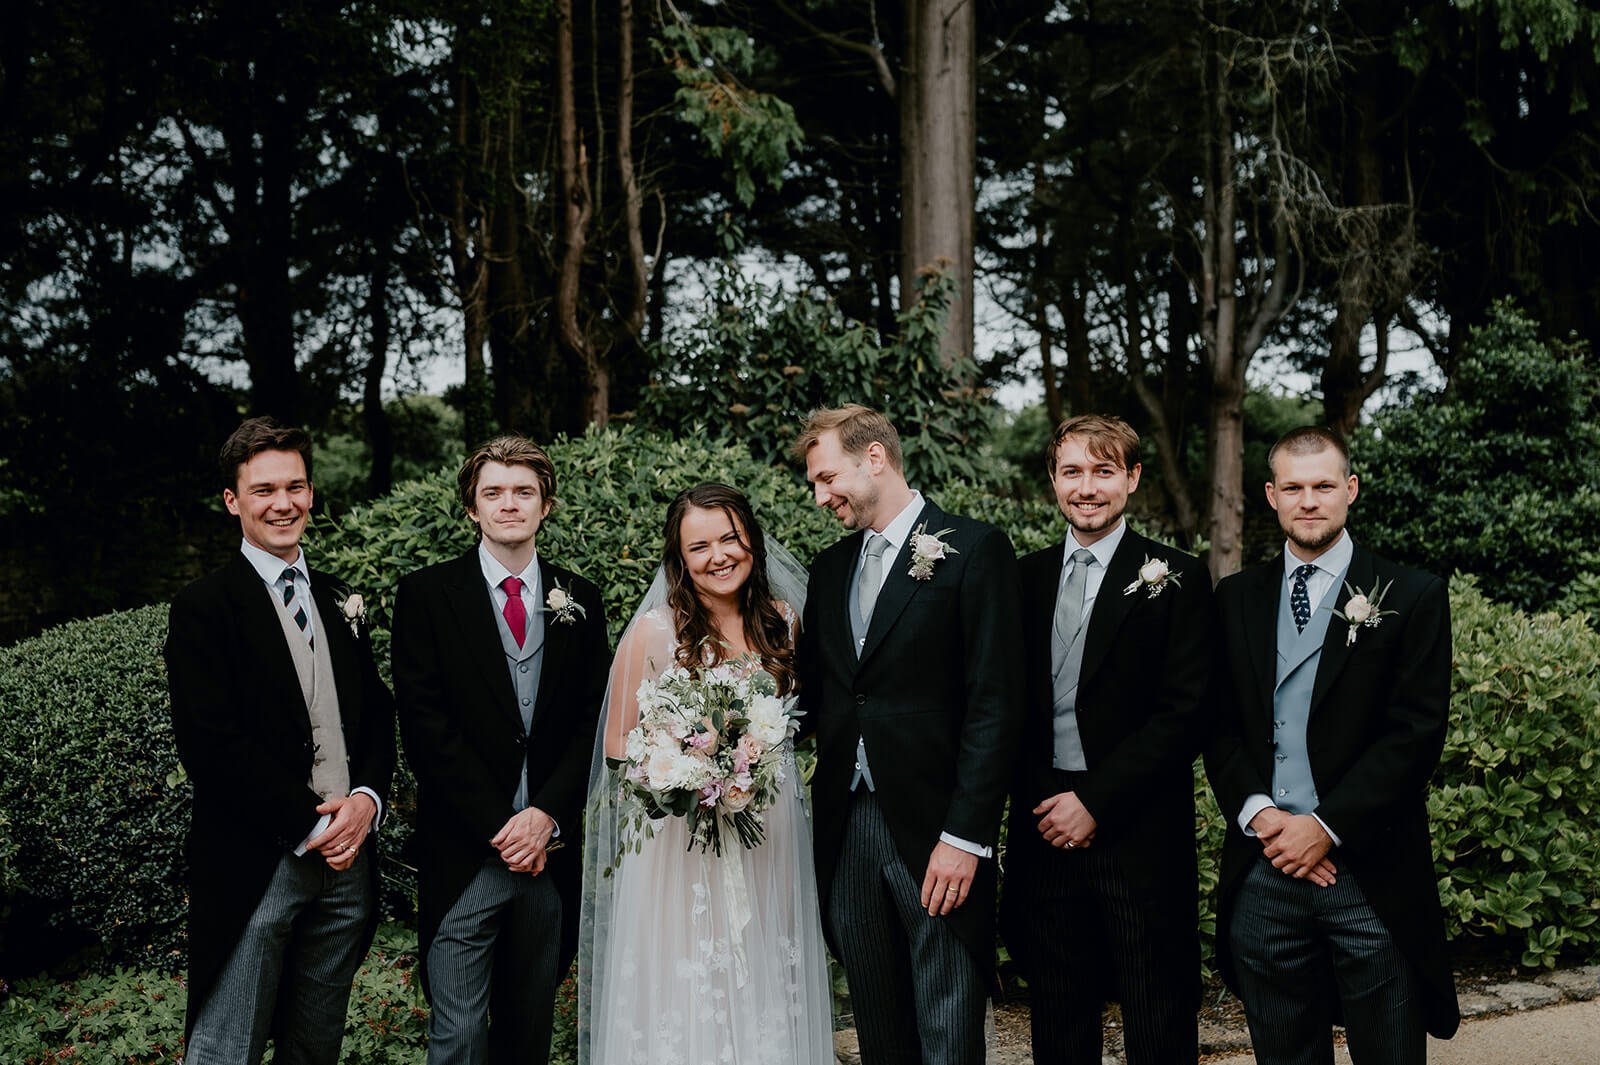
(1296, 844)
(341, 841)
(524, 842)
(1065, 822)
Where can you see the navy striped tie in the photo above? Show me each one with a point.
(291, 603)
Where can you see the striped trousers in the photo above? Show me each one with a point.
(1298, 949)
(916, 991)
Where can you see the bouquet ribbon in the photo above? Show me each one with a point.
(733, 883)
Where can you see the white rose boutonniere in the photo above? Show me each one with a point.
(1154, 576)
(560, 602)
(1364, 609)
(927, 549)
(354, 610)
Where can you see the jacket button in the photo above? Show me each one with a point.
(861, 700)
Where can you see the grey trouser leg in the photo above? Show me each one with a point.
(289, 976)
(1295, 947)
(917, 994)
(492, 971)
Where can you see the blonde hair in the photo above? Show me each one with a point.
(858, 428)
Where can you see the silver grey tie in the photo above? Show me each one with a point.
(1069, 606)
(871, 578)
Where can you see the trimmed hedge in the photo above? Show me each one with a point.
(97, 804)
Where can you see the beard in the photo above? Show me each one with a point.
(1317, 542)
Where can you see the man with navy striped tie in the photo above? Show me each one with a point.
(287, 734)
(1335, 692)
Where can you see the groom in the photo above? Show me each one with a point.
(500, 662)
(911, 677)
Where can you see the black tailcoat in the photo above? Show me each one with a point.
(936, 693)
(244, 735)
(463, 731)
(1379, 710)
(1141, 707)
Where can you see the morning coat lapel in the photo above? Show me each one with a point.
(479, 634)
(898, 584)
(1336, 645)
(1261, 626)
(1111, 606)
(557, 637)
(251, 602)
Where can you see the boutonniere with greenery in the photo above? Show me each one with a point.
(927, 549)
(560, 602)
(1154, 576)
(353, 609)
(1364, 609)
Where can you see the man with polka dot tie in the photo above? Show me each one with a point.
(1330, 719)
(498, 695)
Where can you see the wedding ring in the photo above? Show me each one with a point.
(951, 891)
(1071, 844)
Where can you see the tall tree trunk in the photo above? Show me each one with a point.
(576, 209)
(1080, 393)
(1344, 386)
(380, 434)
(468, 259)
(937, 95)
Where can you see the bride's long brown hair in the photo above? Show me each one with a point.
(765, 629)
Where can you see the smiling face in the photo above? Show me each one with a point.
(1091, 490)
(508, 504)
(271, 496)
(712, 544)
(843, 482)
(1312, 494)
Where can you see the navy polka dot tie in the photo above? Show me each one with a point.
(1299, 598)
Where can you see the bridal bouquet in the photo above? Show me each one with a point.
(708, 748)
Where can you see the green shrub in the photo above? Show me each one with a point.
(1499, 475)
(90, 781)
(1514, 804)
(134, 1017)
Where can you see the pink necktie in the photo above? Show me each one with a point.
(516, 614)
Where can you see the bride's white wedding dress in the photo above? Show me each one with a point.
(688, 958)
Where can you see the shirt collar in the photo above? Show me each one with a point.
(270, 567)
(1102, 549)
(899, 526)
(495, 573)
(1334, 561)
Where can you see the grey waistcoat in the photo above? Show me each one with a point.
(1299, 653)
(858, 636)
(330, 762)
(1068, 753)
(525, 665)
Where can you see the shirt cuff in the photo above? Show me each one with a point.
(322, 825)
(966, 845)
(377, 818)
(1337, 842)
(1252, 806)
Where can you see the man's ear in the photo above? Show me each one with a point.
(230, 501)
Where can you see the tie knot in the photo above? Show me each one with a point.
(1083, 557)
(877, 543)
(1304, 572)
(288, 575)
(513, 587)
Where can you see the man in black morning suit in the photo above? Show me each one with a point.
(287, 733)
(1329, 726)
(911, 679)
(500, 661)
(1101, 882)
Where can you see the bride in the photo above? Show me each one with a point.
(685, 957)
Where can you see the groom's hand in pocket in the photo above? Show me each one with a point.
(525, 840)
(949, 878)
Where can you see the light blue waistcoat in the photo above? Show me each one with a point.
(1299, 653)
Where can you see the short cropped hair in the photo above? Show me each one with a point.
(509, 450)
(1309, 440)
(254, 436)
(858, 428)
(1107, 436)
